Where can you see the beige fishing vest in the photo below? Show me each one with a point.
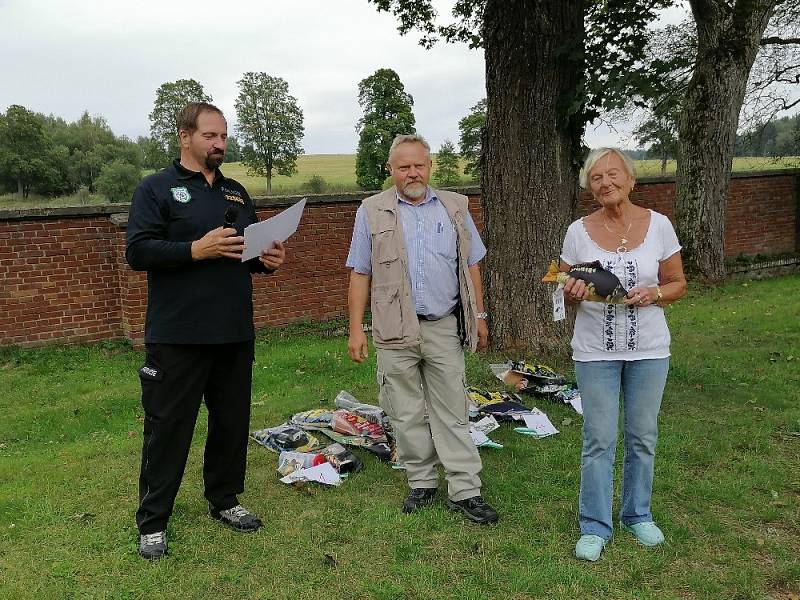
(394, 317)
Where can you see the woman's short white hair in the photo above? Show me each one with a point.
(596, 155)
(409, 139)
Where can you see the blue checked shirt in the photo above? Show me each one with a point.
(432, 258)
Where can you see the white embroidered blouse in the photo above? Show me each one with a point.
(616, 331)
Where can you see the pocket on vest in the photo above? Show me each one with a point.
(385, 248)
(387, 322)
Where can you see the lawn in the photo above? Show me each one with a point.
(338, 171)
(727, 489)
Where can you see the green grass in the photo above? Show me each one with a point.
(652, 168)
(338, 170)
(727, 489)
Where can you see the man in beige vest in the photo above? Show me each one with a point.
(415, 253)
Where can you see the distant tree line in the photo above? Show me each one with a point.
(44, 154)
(780, 137)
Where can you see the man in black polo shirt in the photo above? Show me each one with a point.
(199, 326)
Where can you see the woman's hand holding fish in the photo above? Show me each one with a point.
(641, 296)
(575, 290)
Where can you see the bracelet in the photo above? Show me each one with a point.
(659, 295)
(481, 315)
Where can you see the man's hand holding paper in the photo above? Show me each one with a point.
(272, 258)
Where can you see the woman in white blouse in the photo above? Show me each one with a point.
(620, 347)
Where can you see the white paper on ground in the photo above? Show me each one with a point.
(539, 422)
(324, 473)
(487, 424)
(577, 404)
(478, 436)
(264, 234)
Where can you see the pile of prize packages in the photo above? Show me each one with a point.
(304, 458)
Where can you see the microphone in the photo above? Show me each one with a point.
(231, 215)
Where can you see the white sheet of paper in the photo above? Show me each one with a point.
(540, 423)
(478, 436)
(487, 424)
(577, 404)
(324, 473)
(264, 234)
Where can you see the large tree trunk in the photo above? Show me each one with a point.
(727, 43)
(530, 162)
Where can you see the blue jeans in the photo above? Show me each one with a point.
(642, 385)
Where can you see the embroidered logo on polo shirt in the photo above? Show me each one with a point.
(232, 195)
(181, 194)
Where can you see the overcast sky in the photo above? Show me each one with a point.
(109, 57)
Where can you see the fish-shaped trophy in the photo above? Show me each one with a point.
(602, 284)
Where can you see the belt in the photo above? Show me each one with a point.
(426, 318)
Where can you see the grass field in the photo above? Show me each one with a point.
(727, 489)
(652, 168)
(338, 170)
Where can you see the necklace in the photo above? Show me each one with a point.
(623, 237)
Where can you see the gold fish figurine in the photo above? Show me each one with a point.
(602, 284)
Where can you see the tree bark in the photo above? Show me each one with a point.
(727, 42)
(19, 188)
(531, 148)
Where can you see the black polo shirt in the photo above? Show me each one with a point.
(190, 302)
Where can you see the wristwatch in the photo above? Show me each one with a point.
(481, 315)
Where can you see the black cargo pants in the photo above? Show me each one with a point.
(175, 379)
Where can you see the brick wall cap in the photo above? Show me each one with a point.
(62, 212)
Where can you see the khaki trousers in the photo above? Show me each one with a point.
(422, 391)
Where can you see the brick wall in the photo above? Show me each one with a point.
(63, 276)
(58, 281)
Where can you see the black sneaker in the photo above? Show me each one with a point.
(418, 498)
(475, 509)
(153, 546)
(238, 518)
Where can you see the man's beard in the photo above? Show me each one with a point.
(414, 192)
(213, 161)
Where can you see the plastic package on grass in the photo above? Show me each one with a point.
(286, 437)
(380, 449)
(533, 377)
(318, 417)
(337, 455)
(349, 423)
(370, 412)
(483, 397)
(342, 459)
(502, 405)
